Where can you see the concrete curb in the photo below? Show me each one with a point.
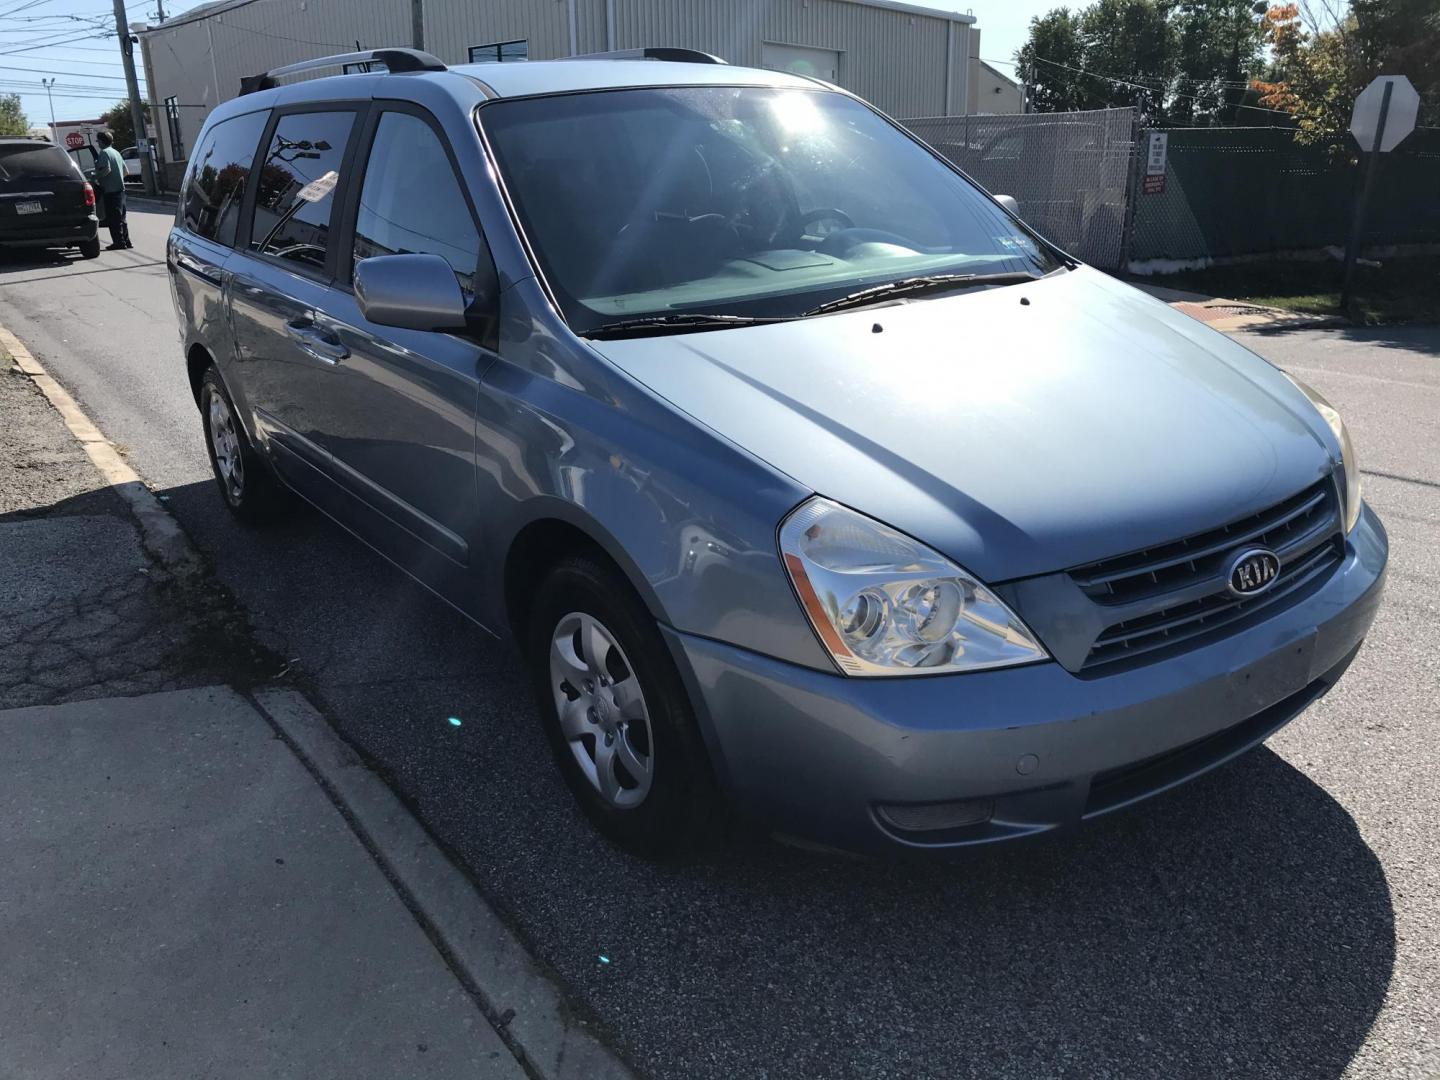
(159, 532)
(520, 1000)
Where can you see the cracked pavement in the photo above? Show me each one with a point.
(84, 611)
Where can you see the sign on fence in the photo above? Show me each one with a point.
(1154, 181)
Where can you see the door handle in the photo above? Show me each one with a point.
(318, 342)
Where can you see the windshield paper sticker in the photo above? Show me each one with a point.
(319, 188)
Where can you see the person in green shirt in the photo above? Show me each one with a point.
(110, 175)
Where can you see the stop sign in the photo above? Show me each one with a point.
(1399, 118)
(74, 140)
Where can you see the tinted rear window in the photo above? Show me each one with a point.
(34, 163)
(215, 186)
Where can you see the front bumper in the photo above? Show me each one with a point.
(839, 761)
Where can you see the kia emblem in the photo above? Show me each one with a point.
(1252, 571)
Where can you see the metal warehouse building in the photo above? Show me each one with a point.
(908, 60)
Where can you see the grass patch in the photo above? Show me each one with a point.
(1399, 290)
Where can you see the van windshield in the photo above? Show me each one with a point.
(736, 201)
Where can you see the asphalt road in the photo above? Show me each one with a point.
(1278, 918)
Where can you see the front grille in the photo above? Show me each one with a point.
(1176, 595)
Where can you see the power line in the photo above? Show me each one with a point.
(57, 71)
(24, 7)
(1150, 89)
(281, 37)
(50, 44)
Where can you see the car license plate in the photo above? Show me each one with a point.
(29, 207)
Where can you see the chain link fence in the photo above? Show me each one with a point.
(1079, 179)
(1069, 172)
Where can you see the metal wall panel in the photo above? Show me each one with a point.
(453, 26)
(894, 59)
(202, 62)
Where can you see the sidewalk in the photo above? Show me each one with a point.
(182, 900)
(197, 877)
(1231, 315)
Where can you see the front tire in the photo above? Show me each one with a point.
(246, 484)
(616, 713)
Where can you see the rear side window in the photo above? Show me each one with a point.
(412, 203)
(40, 161)
(297, 186)
(216, 184)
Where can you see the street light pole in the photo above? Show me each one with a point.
(54, 134)
(137, 113)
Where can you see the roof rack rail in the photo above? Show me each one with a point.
(393, 59)
(653, 52)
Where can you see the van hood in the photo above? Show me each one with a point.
(1018, 430)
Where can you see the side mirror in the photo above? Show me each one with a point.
(1009, 203)
(414, 292)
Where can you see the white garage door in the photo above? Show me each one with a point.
(802, 60)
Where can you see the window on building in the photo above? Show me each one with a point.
(412, 202)
(297, 186)
(215, 181)
(501, 52)
(172, 122)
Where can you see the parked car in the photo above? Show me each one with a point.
(810, 482)
(134, 171)
(45, 202)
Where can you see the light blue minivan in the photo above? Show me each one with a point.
(811, 484)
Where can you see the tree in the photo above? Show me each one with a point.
(117, 119)
(1129, 41)
(12, 116)
(1051, 61)
(1322, 60)
(1180, 61)
(1219, 46)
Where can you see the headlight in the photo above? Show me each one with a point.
(1347, 449)
(884, 604)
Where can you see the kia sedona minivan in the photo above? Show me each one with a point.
(811, 484)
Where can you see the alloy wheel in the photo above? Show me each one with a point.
(225, 442)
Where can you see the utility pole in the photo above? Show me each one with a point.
(137, 112)
(54, 135)
(417, 23)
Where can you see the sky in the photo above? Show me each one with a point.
(73, 42)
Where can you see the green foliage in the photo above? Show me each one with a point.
(1181, 61)
(117, 119)
(12, 117)
(1322, 63)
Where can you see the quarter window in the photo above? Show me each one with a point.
(411, 201)
(296, 194)
(216, 184)
(500, 52)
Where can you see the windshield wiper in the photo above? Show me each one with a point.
(659, 324)
(907, 286)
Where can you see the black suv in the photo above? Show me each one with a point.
(45, 201)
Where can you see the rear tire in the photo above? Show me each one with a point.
(249, 489)
(90, 249)
(627, 744)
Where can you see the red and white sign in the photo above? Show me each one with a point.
(74, 140)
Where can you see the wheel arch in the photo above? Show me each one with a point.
(197, 359)
(557, 529)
